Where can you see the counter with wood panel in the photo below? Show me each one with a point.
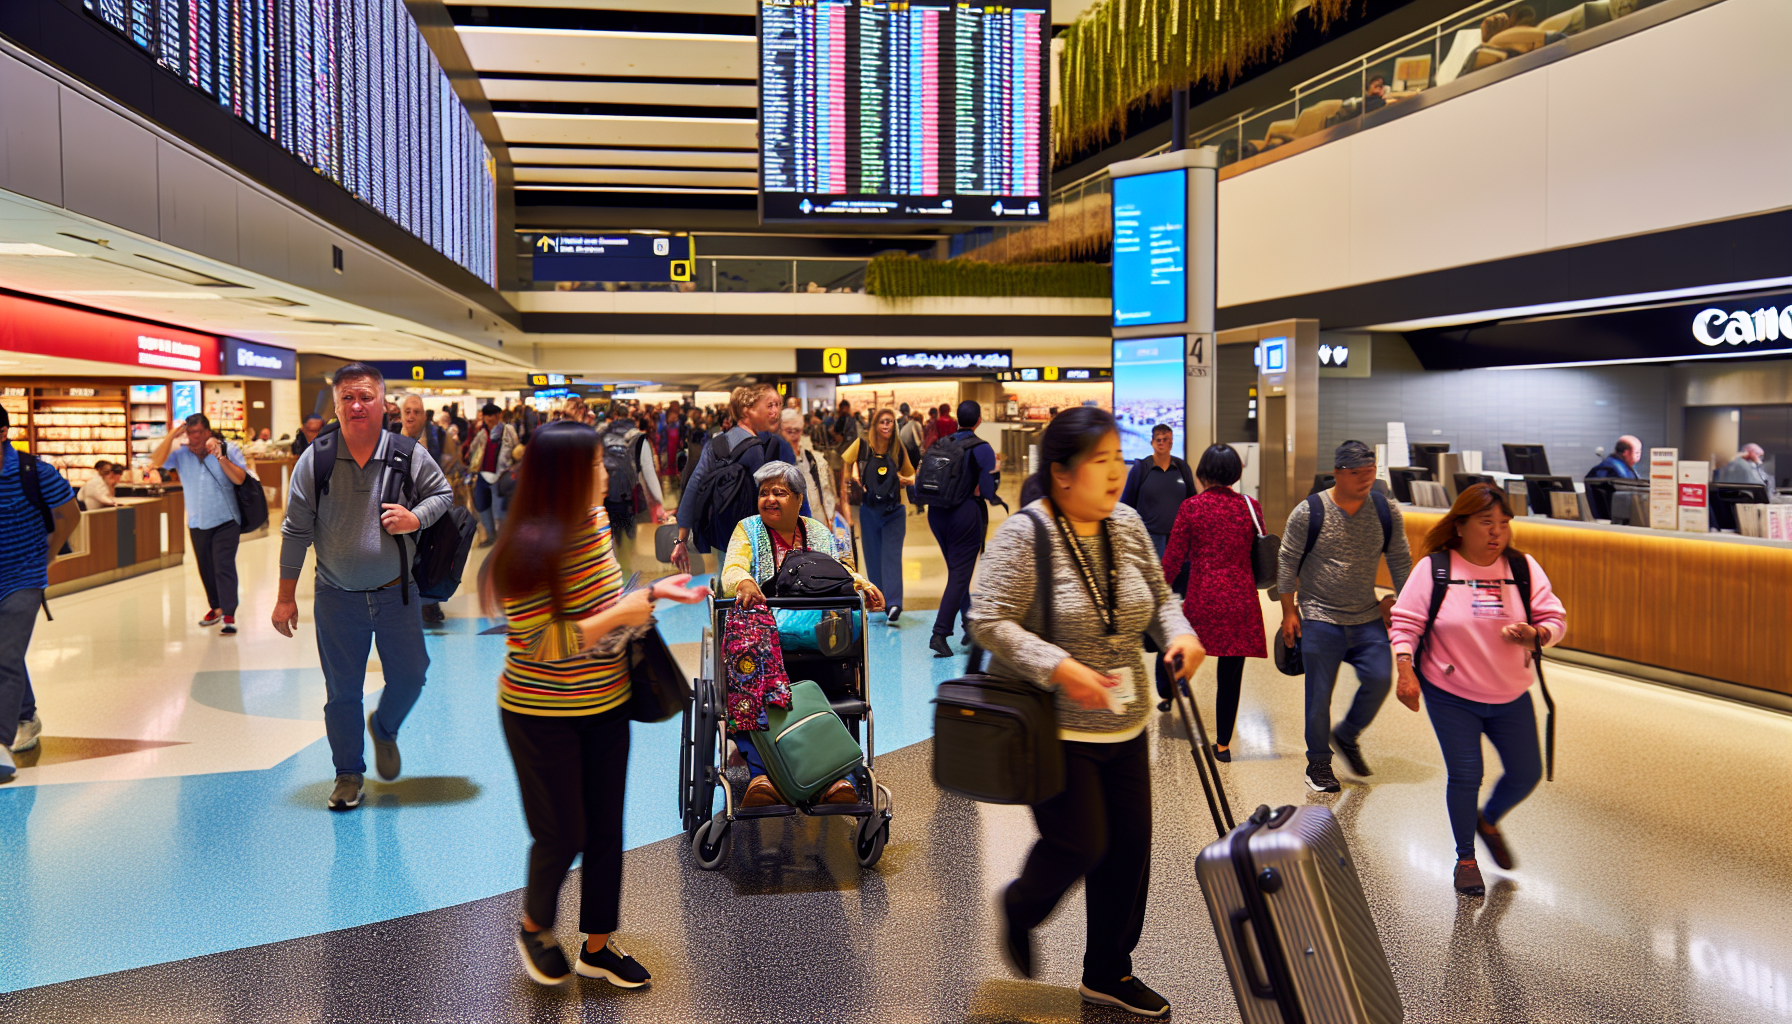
(1716, 605)
(138, 535)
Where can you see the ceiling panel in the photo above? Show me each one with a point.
(636, 176)
(747, 8)
(619, 54)
(503, 90)
(536, 156)
(622, 130)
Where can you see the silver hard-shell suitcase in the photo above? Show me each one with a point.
(1296, 933)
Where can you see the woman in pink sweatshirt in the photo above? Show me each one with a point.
(1474, 668)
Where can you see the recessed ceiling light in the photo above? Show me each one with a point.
(33, 249)
(130, 294)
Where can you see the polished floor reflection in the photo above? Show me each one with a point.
(168, 857)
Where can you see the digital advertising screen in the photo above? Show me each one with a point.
(1151, 249)
(886, 110)
(1148, 390)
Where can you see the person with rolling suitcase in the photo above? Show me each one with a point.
(1468, 634)
(1106, 592)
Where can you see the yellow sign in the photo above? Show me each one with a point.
(681, 269)
(544, 243)
(538, 380)
(416, 373)
(783, 389)
(1051, 373)
(833, 360)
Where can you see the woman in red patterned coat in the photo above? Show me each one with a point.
(1213, 533)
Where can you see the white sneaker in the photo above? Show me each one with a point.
(28, 734)
(6, 765)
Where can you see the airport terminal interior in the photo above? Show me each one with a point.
(1496, 292)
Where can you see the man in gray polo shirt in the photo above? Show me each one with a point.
(360, 600)
(1338, 618)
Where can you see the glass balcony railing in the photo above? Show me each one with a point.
(731, 274)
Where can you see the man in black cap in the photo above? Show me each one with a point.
(1330, 549)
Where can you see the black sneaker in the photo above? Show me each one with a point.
(1129, 994)
(542, 957)
(612, 965)
(1017, 943)
(432, 613)
(1320, 778)
(940, 646)
(893, 614)
(1353, 753)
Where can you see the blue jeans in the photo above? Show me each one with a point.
(1460, 723)
(883, 530)
(1324, 647)
(349, 622)
(18, 616)
(490, 506)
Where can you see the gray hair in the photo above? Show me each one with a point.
(780, 470)
(791, 416)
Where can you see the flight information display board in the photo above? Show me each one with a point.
(886, 110)
(1151, 249)
(348, 86)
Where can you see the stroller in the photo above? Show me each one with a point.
(703, 757)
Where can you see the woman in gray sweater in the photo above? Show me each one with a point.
(1107, 593)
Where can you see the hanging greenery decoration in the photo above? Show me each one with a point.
(907, 277)
(1121, 54)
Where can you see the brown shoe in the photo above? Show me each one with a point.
(841, 792)
(1468, 879)
(761, 793)
(1496, 843)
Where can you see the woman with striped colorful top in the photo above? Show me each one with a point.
(564, 705)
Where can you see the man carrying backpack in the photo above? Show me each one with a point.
(958, 476)
(629, 462)
(38, 512)
(1329, 553)
(732, 455)
(348, 508)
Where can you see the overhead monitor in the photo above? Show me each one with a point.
(1148, 386)
(886, 111)
(1151, 249)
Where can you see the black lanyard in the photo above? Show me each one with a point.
(1104, 608)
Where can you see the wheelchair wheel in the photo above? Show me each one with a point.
(713, 841)
(870, 838)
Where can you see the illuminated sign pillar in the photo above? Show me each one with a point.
(1196, 325)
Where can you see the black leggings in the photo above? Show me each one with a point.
(214, 552)
(1225, 699)
(572, 772)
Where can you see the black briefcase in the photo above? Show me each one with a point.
(996, 740)
(658, 688)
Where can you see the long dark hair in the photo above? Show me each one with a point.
(1471, 502)
(552, 503)
(1068, 439)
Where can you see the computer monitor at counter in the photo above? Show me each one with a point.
(1526, 460)
(1724, 499)
(1538, 487)
(1401, 478)
(1425, 453)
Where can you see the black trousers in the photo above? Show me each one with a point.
(214, 551)
(960, 534)
(572, 772)
(1231, 679)
(1099, 830)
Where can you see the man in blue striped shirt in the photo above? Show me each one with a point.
(36, 517)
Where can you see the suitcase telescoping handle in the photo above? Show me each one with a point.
(1205, 764)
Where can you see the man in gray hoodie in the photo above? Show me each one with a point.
(361, 597)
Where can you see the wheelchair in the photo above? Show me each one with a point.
(702, 767)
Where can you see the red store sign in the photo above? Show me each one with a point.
(45, 329)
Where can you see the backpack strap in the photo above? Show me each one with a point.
(34, 490)
(1386, 515)
(1188, 477)
(1520, 568)
(1042, 571)
(1440, 588)
(1315, 523)
(323, 463)
(397, 487)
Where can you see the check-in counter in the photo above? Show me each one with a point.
(275, 474)
(140, 534)
(1712, 605)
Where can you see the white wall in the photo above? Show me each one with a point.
(1683, 123)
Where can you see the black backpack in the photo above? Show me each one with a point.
(949, 473)
(1316, 523)
(441, 547)
(882, 489)
(727, 493)
(808, 573)
(1520, 568)
(621, 463)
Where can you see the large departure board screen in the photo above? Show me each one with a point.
(348, 86)
(887, 110)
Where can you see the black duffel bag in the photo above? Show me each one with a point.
(996, 740)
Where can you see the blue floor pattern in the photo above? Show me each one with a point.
(109, 876)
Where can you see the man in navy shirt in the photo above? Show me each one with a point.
(1157, 486)
(34, 522)
(1621, 463)
(960, 530)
